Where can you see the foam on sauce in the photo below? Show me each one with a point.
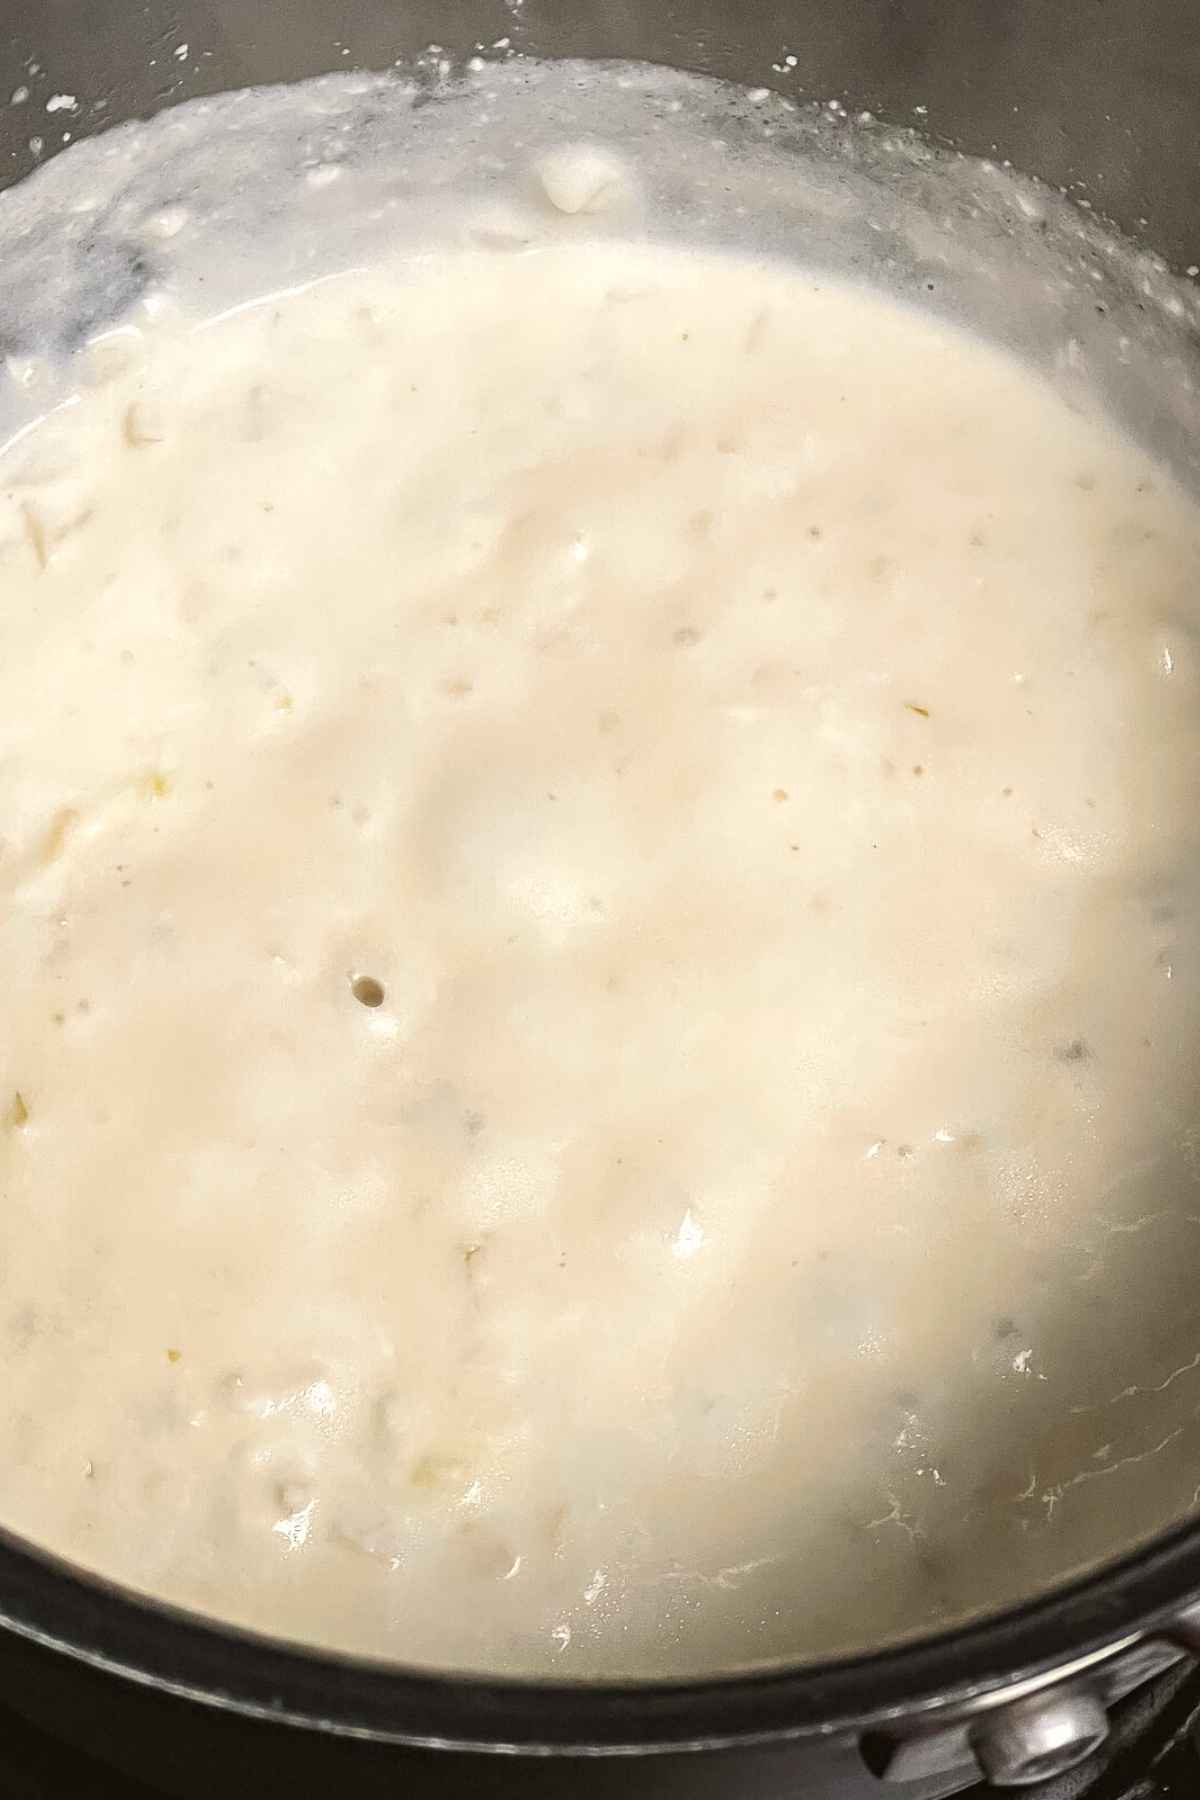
(598, 913)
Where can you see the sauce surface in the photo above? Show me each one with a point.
(591, 845)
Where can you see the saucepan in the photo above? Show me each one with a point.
(1100, 99)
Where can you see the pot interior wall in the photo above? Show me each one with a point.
(1099, 95)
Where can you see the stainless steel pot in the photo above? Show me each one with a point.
(1101, 96)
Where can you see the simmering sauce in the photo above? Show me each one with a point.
(584, 839)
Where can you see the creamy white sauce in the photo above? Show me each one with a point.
(593, 848)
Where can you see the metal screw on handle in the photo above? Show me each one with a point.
(1040, 1737)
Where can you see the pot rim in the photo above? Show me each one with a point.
(157, 1645)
